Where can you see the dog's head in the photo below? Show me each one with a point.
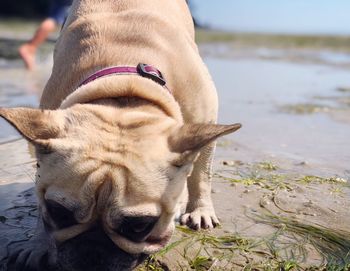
(123, 170)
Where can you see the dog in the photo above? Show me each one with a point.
(126, 129)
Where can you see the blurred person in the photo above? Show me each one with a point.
(57, 15)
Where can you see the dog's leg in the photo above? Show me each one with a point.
(36, 253)
(200, 211)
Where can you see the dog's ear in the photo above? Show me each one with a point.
(192, 137)
(37, 126)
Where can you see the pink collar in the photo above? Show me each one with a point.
(143, 70)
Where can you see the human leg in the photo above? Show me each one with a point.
(28, 50)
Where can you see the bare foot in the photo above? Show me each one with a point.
(27, 53)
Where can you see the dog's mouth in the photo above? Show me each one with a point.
(150, 245)
(158, 242)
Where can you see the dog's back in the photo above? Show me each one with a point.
(99, 34)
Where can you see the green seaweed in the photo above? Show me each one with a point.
(287, 248)
(267, 166)
(305, 109)
(205, 251)
(321, 180)
(333, 245)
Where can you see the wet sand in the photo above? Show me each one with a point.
(296, 124)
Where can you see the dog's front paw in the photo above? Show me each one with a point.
(32, 255)
(200, 217)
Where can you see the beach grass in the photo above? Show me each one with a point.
(285, 249)
(288, 247)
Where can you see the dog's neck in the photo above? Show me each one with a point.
(128, 102)
(123, 102)
(126, 90)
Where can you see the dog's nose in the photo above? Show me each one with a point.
(137, 228)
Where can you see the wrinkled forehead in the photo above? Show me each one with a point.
(108, 181)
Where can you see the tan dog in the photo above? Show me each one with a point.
(119, 151)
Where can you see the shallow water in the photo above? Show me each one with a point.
(18, 87)
(253, 91)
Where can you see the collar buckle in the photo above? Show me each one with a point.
(150, 72)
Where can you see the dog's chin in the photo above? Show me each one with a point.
(151, 245)
(94, 250)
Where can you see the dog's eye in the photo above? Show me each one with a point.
(182, 160)
(177, 165)
(62, 217)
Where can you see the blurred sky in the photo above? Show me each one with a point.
(281, 16)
